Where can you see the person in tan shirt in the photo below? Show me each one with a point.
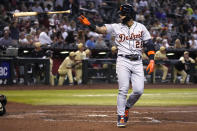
(80, 55)
(161, 55)
(66, 69)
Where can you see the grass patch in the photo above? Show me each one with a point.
(151, 97)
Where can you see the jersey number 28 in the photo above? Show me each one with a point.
(138, 44)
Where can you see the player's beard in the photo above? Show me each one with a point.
(125, 20)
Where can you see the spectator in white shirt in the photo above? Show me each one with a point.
(22, 39)
(165, 43)
(72, 26)
(44, 38)
(63, 32)
(193, 43)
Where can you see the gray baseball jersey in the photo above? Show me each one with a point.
(129, 41)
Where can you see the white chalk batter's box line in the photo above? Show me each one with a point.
(145, 94)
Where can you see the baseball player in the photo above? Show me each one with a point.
(161, 55)
(130, 37)
(80, 55)
(66, 69)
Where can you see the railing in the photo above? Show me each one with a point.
(105, 71)
(9, 72)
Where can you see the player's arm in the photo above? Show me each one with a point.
(151, 53)
(85, 21)
(151, 48)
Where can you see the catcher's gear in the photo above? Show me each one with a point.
(86, 22)
(150, 67)
(3, 102)
(128, 11)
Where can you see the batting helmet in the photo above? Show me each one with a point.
(128, 11)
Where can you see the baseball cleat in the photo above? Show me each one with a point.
(121, 122)
(126, 117)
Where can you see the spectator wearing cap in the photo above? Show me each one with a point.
(161, 56)
(66, 69)
(80, 55)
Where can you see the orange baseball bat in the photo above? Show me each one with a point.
(22, 14)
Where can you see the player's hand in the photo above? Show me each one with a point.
(150, 67)
(84, 20)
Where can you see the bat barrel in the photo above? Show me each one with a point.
(23, 14)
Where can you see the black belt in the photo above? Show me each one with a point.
(131, 57)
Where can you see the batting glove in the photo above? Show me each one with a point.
(150, 67)
(86, 22)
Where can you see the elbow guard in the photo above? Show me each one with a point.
(151, 48)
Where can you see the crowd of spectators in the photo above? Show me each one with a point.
(172, 23)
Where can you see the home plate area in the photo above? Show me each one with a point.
(97, 118)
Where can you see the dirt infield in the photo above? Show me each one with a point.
(22, 117)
